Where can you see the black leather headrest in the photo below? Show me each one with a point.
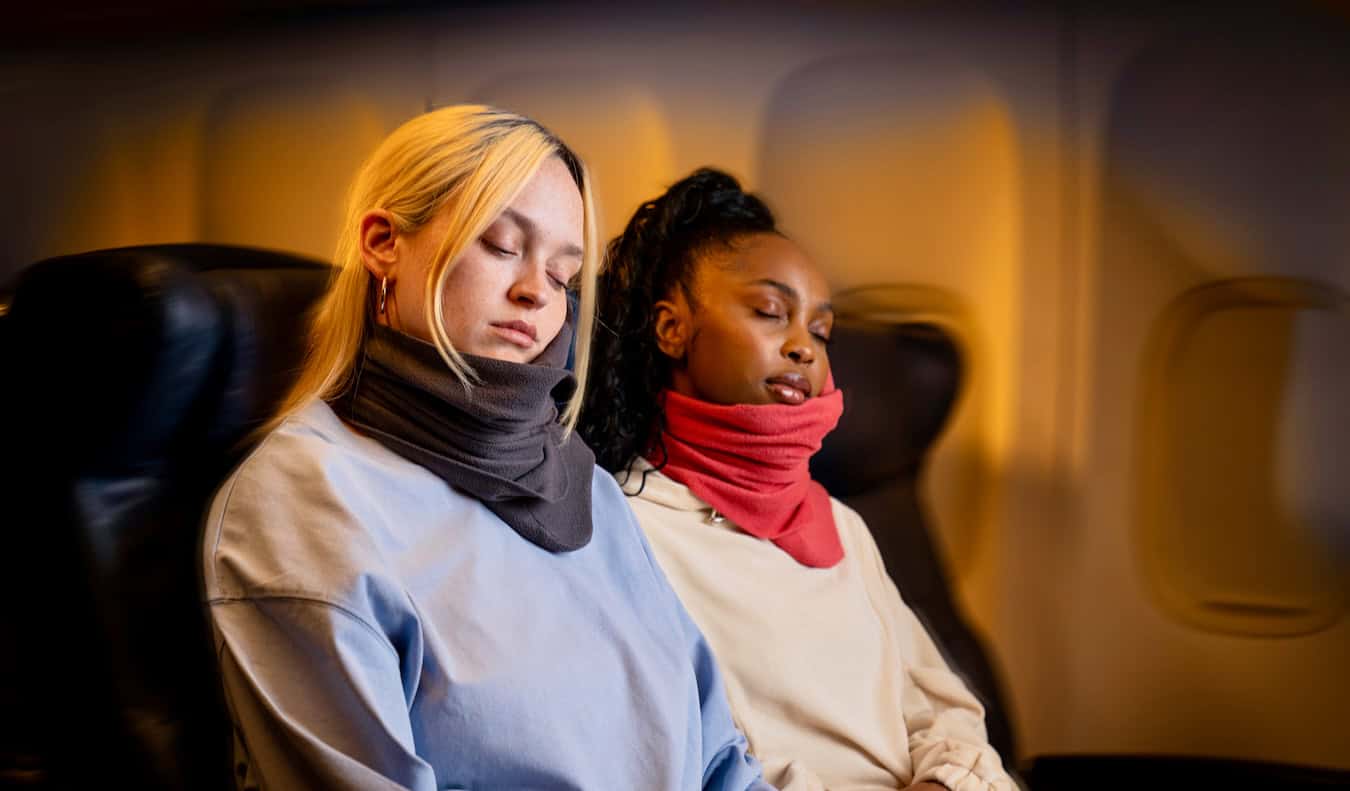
(899, 383)
(130, 378)
(117, 353)
(113, 350)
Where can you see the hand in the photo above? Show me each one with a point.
(927, 786)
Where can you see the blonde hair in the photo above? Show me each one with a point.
(473, 160)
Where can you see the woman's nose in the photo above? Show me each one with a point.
(798, 349)
(531, 289)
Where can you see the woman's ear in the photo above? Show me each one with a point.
(671, 322)
(378, 249)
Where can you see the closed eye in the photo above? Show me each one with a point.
(498, 250)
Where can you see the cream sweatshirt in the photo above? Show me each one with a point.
(833, 680)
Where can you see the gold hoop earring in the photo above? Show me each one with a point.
(384, 293)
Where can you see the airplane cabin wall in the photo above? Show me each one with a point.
(1209, 537)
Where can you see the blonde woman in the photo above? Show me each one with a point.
(417, 579)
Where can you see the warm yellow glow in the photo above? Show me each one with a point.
(620, 130)
(276, 163)
(893, 171)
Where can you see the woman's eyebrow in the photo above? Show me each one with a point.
(778, 285)
(531, 228)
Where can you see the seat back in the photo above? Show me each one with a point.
(133, 376)
(900, 381)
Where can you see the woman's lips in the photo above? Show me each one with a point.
(519, 333)
(789, 388)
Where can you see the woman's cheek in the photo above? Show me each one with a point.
(557, 316)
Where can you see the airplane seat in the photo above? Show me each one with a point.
(135, 375)
(131, 377)
(900, 381)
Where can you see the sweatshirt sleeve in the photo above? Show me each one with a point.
(316, 696)
(314, 682)
(945, 722)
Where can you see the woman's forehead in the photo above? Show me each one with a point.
(766, 257)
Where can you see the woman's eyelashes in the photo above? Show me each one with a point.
(781, 315)
(500, 249)
(771, 311)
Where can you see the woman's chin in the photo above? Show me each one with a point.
(506, 352)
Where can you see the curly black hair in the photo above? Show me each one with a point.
(655, 254)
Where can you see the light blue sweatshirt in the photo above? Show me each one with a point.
(378, 629)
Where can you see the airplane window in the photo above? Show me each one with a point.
(1240, 521)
